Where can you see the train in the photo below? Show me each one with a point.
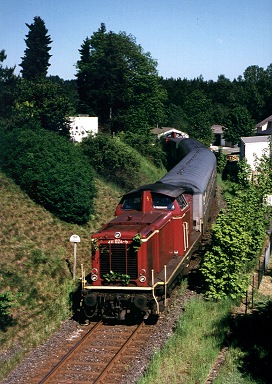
(138, 257)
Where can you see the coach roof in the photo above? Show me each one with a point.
(193, 172)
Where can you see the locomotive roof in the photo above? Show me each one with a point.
(159, 187)
(193, 171)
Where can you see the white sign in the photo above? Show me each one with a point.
(75, 239)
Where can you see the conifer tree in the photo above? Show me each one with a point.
(35, 63)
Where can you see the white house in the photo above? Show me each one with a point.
(82, 126)
(253, 146)
(169, 132)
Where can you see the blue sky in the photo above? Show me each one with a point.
(188, 38)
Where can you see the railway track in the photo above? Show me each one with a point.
(100, 356)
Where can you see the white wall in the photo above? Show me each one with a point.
(82, 126)
(250, 148)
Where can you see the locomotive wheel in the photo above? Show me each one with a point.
(89, 312)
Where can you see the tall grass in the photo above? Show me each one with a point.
(36, 266)
(190, 353)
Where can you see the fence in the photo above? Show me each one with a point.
(258, 276)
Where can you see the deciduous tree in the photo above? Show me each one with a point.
(238, 123)
(44, 102)
(118, 82)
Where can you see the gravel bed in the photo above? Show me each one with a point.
(71, 329)
(41, 355)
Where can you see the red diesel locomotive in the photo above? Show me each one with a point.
(139, 255)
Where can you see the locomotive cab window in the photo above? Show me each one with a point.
(181, 201)
(131, 202)
(162, 201)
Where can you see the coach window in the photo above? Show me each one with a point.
(132, 202)
(181, 201)
(162, 201)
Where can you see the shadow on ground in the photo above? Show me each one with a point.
(252, 335)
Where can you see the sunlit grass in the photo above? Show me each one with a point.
(190, 353)
(36, 263)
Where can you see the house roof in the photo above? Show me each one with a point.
(165, 130)
(255, 139)
(263, 122)
(216, 128)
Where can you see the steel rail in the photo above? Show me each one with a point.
(64, 359)
(102, 375)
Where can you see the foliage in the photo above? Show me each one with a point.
(44, 102)
(244, 173)
(7, 85)
(238, 123)
(221, 161)
(148, 145)
(263, 166)
(35, 63)
(136, 242)
(112, 277)
(237, 237)
(198, 114)
(253, 94)
(8, 300)
(119, 83)
(110, 158)
(53, 172)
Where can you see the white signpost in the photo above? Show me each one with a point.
(75, 239)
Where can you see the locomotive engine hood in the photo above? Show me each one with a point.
(126, 226)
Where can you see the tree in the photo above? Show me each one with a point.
(198, 111)
(45, 102)
(7, 85)
(35, 63)
(238, 123)
(118, 82)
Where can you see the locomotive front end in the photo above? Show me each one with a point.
(120, 280)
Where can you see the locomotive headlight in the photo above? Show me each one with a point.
(142, 278)
(94, 277)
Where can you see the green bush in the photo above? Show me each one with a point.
(148, 145)
(113, 160)
(51, 170)
(237, 239)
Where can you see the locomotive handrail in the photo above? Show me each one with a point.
(83, 280)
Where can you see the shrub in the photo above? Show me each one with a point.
(148, 145)
(113, 159)
(237, 238)
(51, 170)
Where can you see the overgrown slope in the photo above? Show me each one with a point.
(36, 262)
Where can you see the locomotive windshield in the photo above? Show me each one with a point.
(162, 201)
(132, 201)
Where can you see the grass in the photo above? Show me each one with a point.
(189, 354)
(36, 264)
(202, 331)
